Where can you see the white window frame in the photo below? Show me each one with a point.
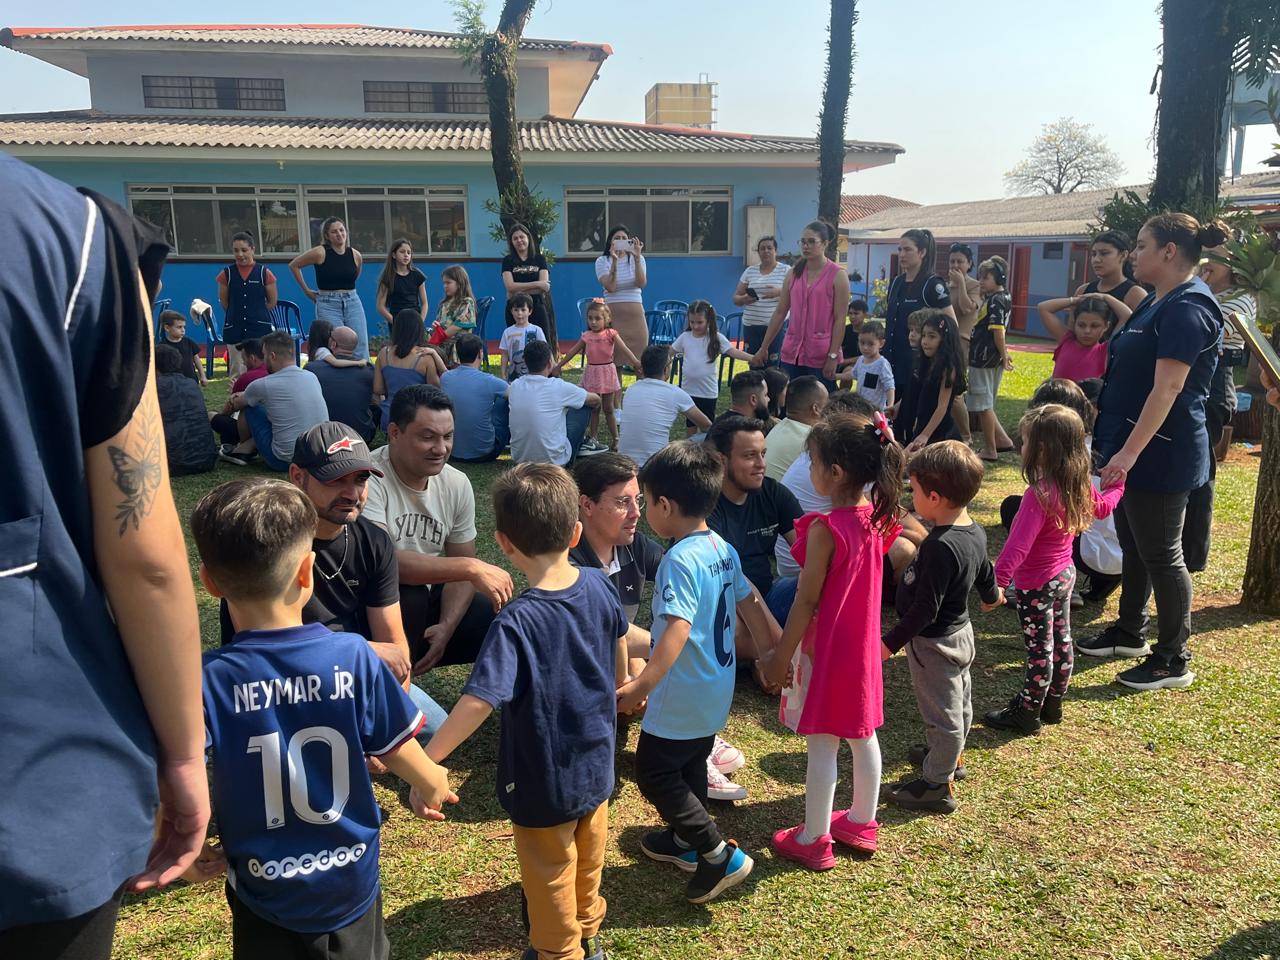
(670, 193)
(424, 192)
(193, 96)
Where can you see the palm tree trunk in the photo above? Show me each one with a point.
(835, 114)
(1262, 569)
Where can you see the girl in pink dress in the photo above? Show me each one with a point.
(830, 647)
(599, 341)
(1081, 353)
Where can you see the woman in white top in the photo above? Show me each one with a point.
(621, 271)
(757, 294)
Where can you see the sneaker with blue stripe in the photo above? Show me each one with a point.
(712, 879)
(661, 845)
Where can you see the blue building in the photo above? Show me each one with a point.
(207, 130)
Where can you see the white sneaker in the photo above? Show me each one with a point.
(591, 446)
(725, 757)
(720, 787)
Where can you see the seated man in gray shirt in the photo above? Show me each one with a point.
(280, 406)
(348, 391)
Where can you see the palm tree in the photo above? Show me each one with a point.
(835, 114)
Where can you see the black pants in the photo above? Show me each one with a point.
(1149, 526)
(253, 938)
(672, 775)
(420, 608)
(226, 427)
(753, 336)
(1198, 529)
(707, 405)
(86, 937)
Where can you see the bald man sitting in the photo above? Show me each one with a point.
(348, 391)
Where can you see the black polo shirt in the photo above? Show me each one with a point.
(753, 527)
(637, 563)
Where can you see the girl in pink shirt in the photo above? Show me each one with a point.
(830, 647)
(1060, 501)
(1081, 353)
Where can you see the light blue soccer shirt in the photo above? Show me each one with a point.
(699, 580)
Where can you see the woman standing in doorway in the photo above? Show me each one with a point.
(816, 293)
(524, 270)
(916, 287)
(247, 292)
(621, 271)
(337, 266)
(1109, 261)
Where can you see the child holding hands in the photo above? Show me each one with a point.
(599, 342)
(552, 661)
(1060, 501)
(831, 644)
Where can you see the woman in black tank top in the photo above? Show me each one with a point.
(337, 265)
(1109, 263)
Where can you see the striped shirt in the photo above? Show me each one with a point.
(1235, 301)
(759, 314)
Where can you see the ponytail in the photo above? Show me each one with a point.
(886, 491)
(1186, 233)
(705, 309)
(863, 446)
(822, 229)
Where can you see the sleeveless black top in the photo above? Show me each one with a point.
(1119, 291)
(338, 272)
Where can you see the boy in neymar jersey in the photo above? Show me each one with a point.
(698, 595)
(552, 661)
(291, 711)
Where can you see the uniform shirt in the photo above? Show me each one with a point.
(700, 581)
(760, 312)
(294, 403)
(634, 564)
(993, 314)
(549, 662)
(904, 299)
(933, 596)
(514, 340)
(421, 521)
(753, 527)
(538, 404)
(644, 422)
(473, 393)
(290, 715)
(699, 376)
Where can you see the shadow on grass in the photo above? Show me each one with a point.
(1255, 943)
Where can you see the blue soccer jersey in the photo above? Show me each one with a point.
(290, 715)
(699, 580)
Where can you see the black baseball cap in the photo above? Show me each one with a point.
(331, 450)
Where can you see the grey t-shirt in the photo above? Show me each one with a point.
(293, 403)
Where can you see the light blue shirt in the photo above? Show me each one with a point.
(699, 580)
(473, 393)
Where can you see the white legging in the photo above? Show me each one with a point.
(820, 781)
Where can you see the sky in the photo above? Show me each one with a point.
(965, 92)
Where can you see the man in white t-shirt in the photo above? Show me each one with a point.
(806, 396)
(447, 595)
(651, 405)
(757, 294)
(549, 416)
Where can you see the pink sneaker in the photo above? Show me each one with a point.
(859, 836)
(725, 757)
(816, 856)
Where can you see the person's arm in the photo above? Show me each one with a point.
(379, 381)
(592, 400)
(272, 290)
(307, 259)
(1121, 308)
(430, 366)
(700, 419)
(387, 640)
(839, 310)
(509, 282)
(913, 530)
(740, 296)
(997, 337)
(620, 346)
(775, 323)
(1272, 388)
(921, 439)
(664, 655)
(819, 549)
(1048, 311)
(755, 617)
(335, 361)
(464, 719)
(578, 346)
(224, 296)
(359, 259)
(1024, 531)
(380, 304)
(1106, 501)
(962, 300)
(1135, 296)
(1170, 378)
(985, 584)
(642, 276)
(142, 560)
(935, 568)
(424, 301)
(609, 279)
(428, 782)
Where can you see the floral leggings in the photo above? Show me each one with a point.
(1045, 614)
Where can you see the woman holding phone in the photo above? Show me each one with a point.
(620, 269)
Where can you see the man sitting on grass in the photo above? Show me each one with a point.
(549, 416)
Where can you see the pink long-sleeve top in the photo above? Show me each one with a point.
(1039, 545)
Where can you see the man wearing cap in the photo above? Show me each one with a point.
(447, 594)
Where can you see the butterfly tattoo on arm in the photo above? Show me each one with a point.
(137, 477)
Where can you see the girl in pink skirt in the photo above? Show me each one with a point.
(600, 341)
(830, 648)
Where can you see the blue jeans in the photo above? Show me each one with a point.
(500, 419)
(260, 428)
(433, 713)
(575, 427)
(780, 598)
(343, 308)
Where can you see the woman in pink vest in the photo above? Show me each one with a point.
(816, 293)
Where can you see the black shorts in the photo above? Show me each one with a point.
(253, 938)
(707, 405)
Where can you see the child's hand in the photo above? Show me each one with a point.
(919, 443)
(428, 807)
(209, 864)
(774, 671)
(631, 697)
(1008, 361)
(988, 607)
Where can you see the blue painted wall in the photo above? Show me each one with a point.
(792, 191)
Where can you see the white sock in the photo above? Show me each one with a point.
(718, 854)
(819, 786)
(866, 779)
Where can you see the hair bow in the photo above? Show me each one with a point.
(880, 424)
(597, 299)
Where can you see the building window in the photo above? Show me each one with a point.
(201, 220)
(213, 93)
(409, 96)
(670, 220)
(1053, 251)
(433, 219)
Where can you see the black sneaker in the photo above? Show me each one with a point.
(661, 845)
(1051, 711)
(1099, 594)
(1077, 601)
(1113, 642)
(920, 794)
(1156, 673)
(712, 879)
(916, 754)
(1014, 717)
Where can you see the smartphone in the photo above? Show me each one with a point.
(752, 294)
(624, 246)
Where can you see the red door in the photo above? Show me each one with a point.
(1078, 267)
(1021, 286)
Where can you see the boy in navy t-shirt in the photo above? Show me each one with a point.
(291, 711)
(552, 661)
(698, 595)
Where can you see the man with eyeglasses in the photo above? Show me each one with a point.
(609, 506)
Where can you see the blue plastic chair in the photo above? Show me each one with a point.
(663, 330)
(287, 317)
(212, 328)
(158, 308)
(483, 306)
(732, 331)
(670, 305)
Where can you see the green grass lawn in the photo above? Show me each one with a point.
(1145, 825)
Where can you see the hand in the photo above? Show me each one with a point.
(955, 277)
(428, 807)
(988, 607)
(437, 636)
(829, 369)
(616, 255)
(1272, 388)
(760, 357)
(1116, 469)
(209, 864)
(395, 657)
(919, 443)
(772, 672)
(637, 246)
(493, 583)
(310, 295)
(631, 697)
(891, 412)
(1008, 361)
(375, 766)
(182, 820)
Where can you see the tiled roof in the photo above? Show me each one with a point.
(305, 34)
(855, 206)
(87, 128)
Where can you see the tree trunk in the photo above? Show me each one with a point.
(1262, 570)
(1195, 74)
(835, 114)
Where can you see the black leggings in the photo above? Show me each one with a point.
(86, 937)
(672, 775)
(707, 405)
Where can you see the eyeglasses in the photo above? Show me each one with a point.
(809, 241)
(626, 503)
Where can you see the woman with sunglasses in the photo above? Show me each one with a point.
(816, 294)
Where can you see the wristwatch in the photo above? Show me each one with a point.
(832, 356)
